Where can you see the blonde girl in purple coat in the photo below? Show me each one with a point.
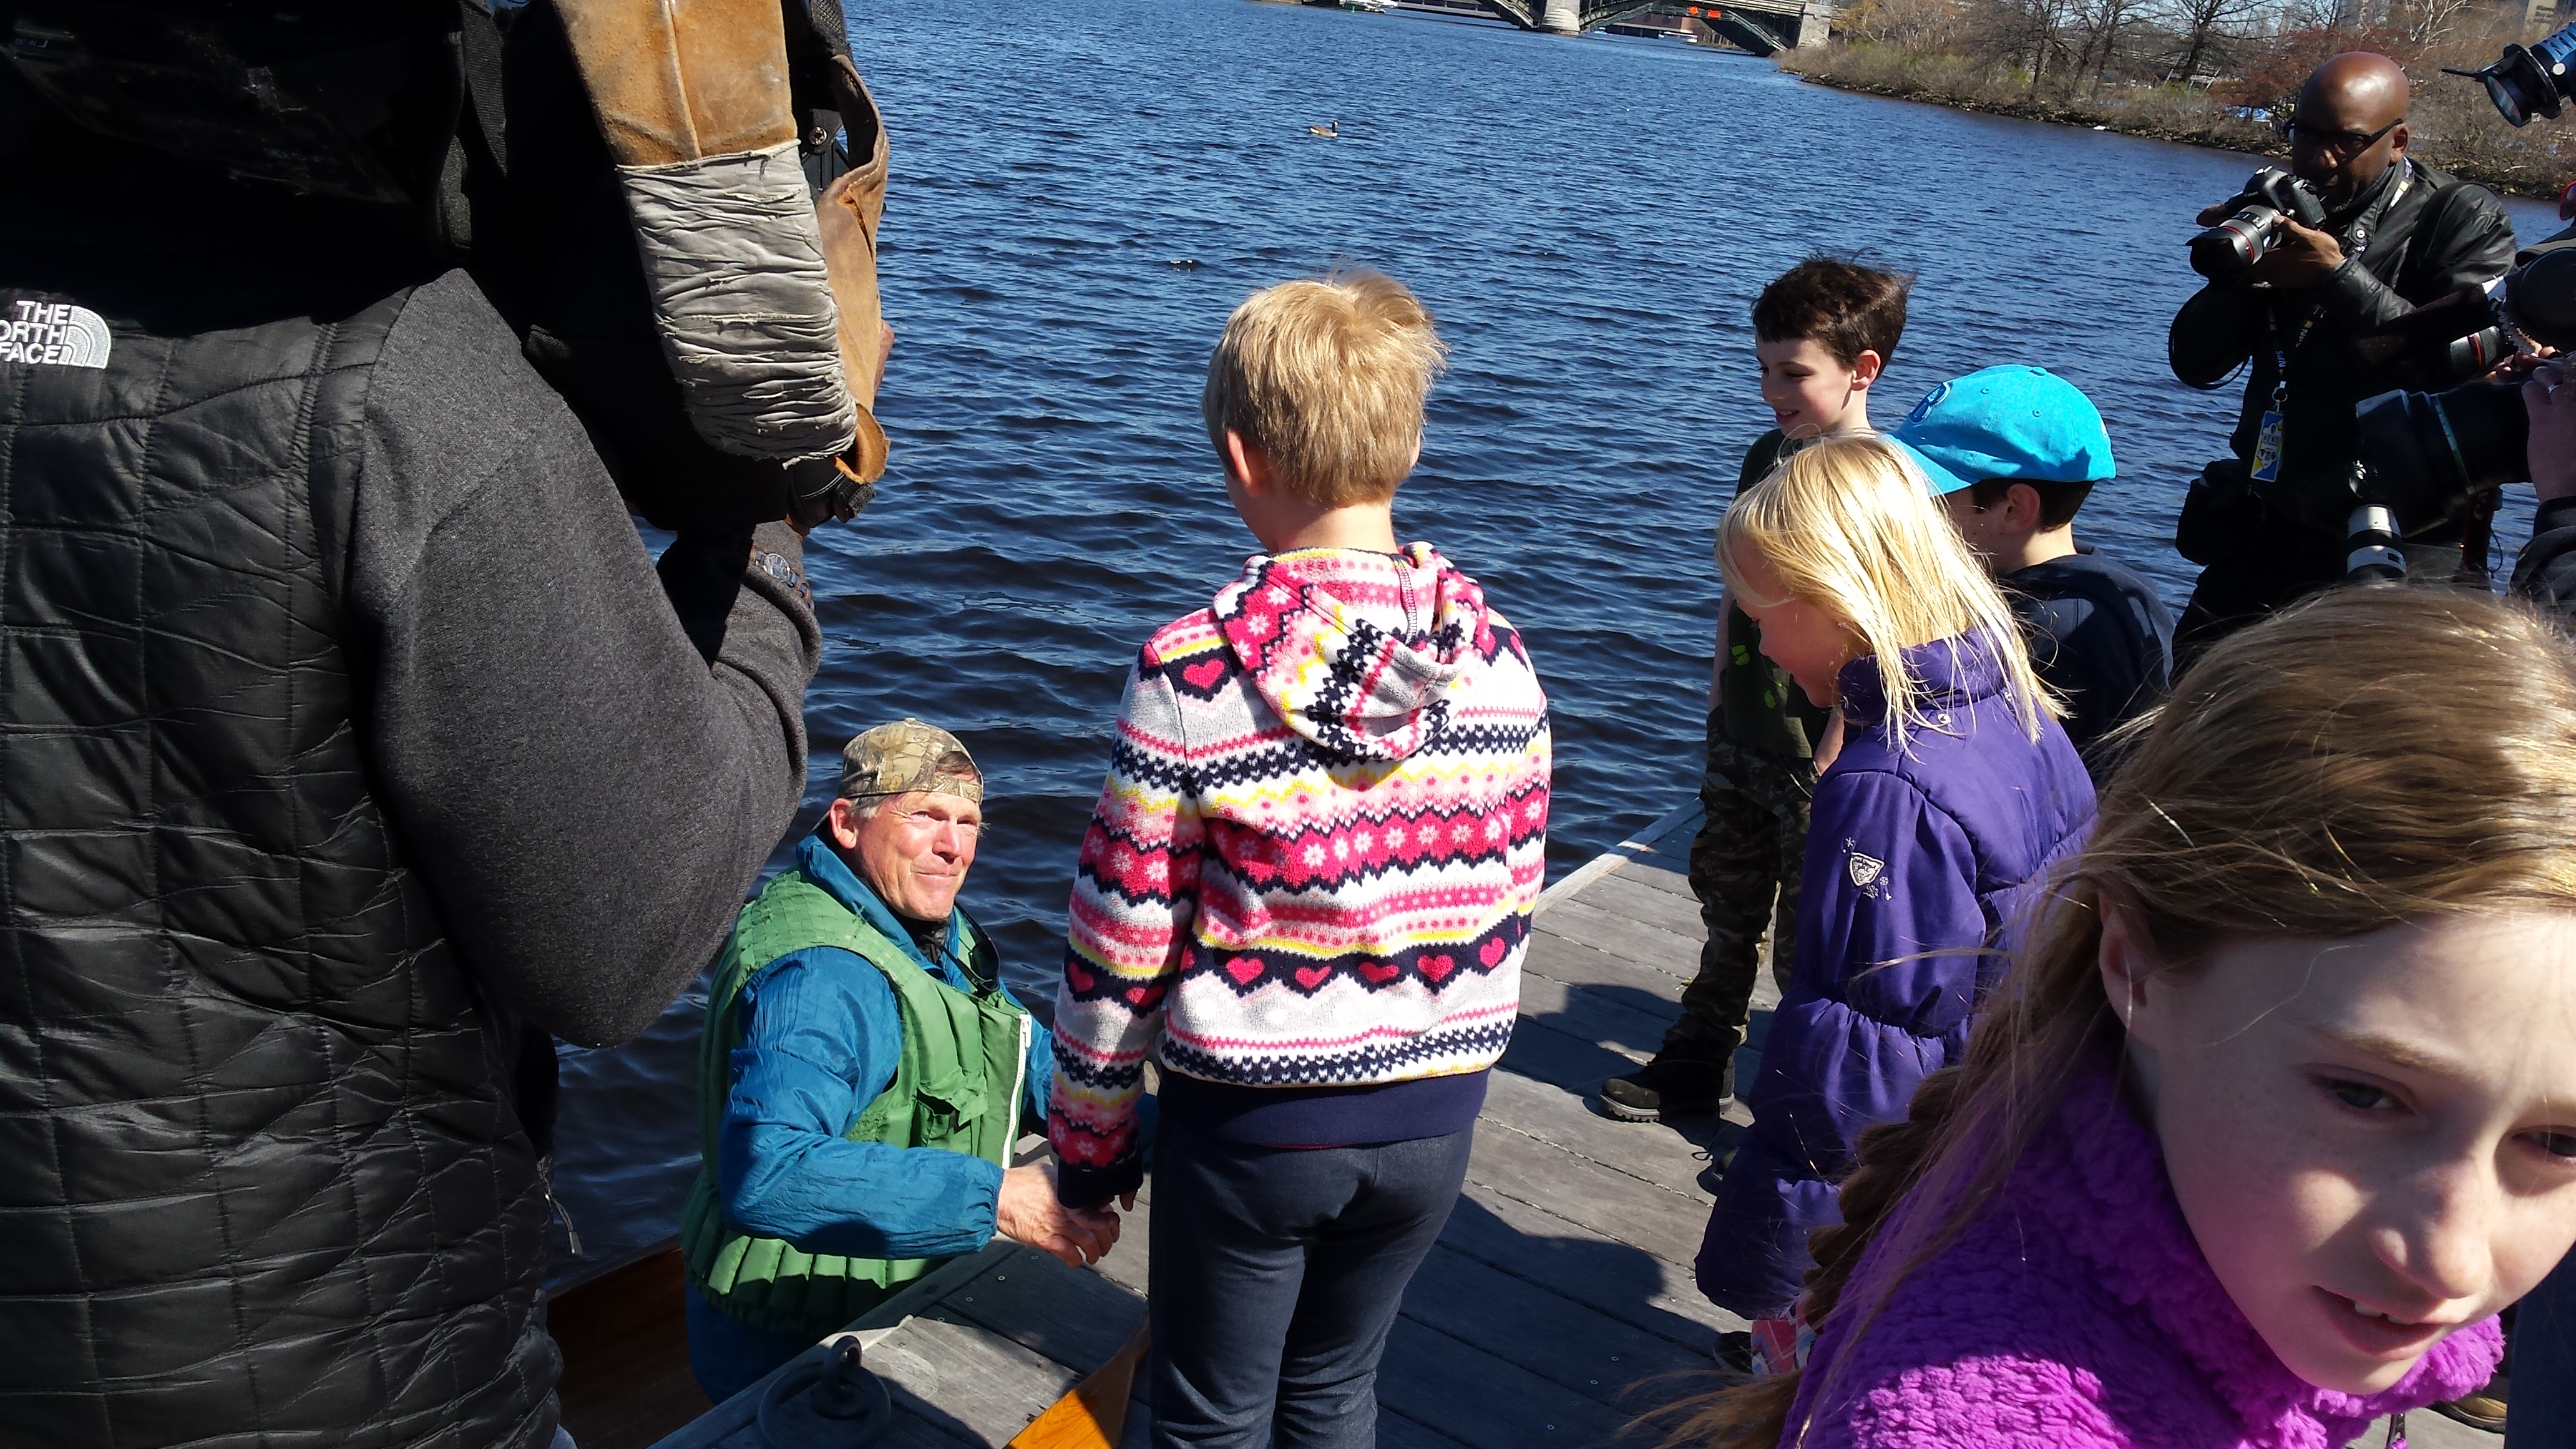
(2277, 1111)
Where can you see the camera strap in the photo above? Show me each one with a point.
(2267, 440)
(2354, 239)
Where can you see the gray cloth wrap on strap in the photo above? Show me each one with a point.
(735, 262)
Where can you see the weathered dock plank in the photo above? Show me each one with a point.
(987, 1387)
(1542, 1053)
(1660, 1220)
(1532, 1327)
(1077, 1319)
(1625, 892)
(1671, 877)
(1672, 1158)
(1585, 1265)
(1395, 1431)
(1600, 1015)
(1473, 1396)
(1672, 955)
(1576, 961)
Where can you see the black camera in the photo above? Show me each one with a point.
(2527, 82)
(2228, 250)
(2425, 455)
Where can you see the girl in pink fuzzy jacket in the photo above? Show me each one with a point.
(2277, 1112)
(1305, 892)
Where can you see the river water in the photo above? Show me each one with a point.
(1081, 193)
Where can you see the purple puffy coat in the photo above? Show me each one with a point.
(1918, 880)
(2076, 1312)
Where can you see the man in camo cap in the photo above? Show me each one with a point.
(864, 1077)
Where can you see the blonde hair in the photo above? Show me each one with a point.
(1328, 378)
(1845, 524)
(2311, 778)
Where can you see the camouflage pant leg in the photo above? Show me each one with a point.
(1744, 869)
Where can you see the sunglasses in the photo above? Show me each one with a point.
(2341, 144)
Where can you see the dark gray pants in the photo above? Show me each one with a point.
(1276, 1273)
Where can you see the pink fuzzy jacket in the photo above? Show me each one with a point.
(2078, 1313)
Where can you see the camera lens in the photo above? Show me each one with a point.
(2226, 251)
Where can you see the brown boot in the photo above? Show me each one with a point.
(2481, 1410)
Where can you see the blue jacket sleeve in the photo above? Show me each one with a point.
(1891, 938)
(821, 1039)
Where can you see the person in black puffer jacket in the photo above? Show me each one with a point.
(351, 743)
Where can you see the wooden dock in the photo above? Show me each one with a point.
(1559, 1294)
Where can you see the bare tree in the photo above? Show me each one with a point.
(1923, 26)
(2027, 35)
(2205, 30)
(2425, 22)
(2104, 26)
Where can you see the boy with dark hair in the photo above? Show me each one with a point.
(1823, 333)
(2013, 452)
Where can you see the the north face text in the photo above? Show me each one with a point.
(58, 333)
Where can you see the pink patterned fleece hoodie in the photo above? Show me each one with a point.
(1314, 860)
(2078, 1313)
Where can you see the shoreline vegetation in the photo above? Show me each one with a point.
(2117, 65)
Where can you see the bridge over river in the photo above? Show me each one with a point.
(1760, 26)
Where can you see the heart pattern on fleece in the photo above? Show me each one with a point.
(1205, 675)
(1250, 974)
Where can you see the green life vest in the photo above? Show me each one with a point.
(957, 1087)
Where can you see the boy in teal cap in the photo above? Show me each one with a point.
(2013, 452)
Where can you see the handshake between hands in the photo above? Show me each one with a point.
(1028, 1212)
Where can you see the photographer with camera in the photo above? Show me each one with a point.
(2384, 234)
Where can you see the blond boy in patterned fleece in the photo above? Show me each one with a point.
(1305, 891)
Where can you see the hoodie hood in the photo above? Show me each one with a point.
(1357, 652)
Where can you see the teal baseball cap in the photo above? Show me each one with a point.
(2017, 422)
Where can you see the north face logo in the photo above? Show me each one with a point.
(1865, 871)
(57, 334)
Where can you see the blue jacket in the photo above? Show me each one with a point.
(1920, 871)
(820, 1040)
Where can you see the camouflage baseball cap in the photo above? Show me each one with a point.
(899, 758)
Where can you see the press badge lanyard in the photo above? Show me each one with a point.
(2267, 442)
